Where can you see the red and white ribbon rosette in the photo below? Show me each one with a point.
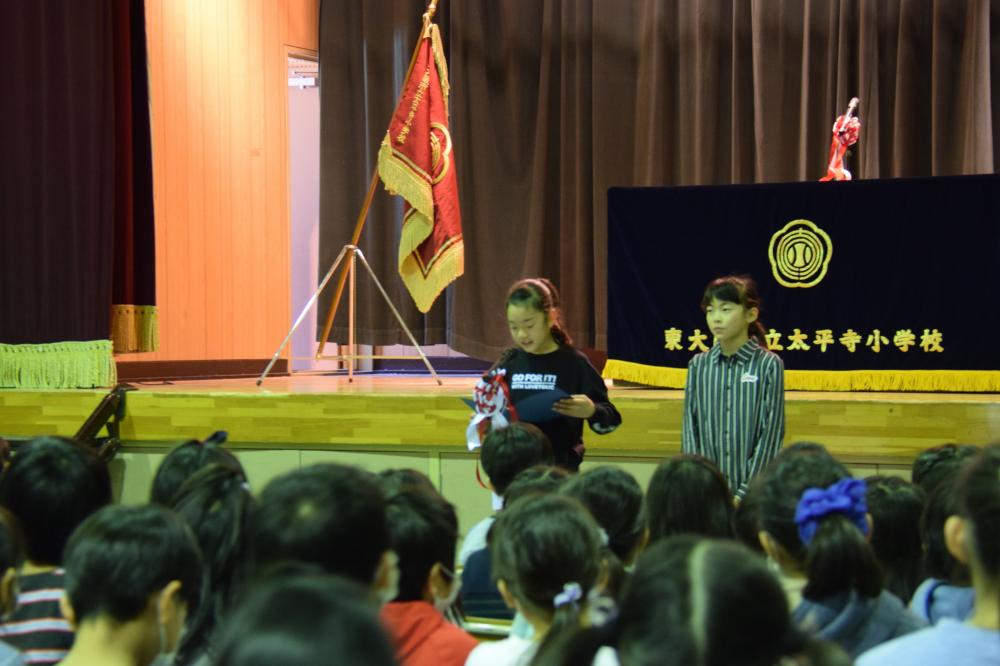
(846, 130)
(490, 398)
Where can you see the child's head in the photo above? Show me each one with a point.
(302, 620)
(934, 465)
(216, 503)
(732, 308)
(895, 506)
(938, 561)
(973, 535)
(614, 499)
(534, 317)
(814, 521)
(508, 451)
(689, 495)
(546, 558)
(52, 485)
(693, 595)
(537, 480)
(329, 515)
(133, 564)
(746, 519)
(11, 557)
(396, 480)
(183, 461)
(423, 530)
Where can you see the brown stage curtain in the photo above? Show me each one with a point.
(554, 101)
(76, 217)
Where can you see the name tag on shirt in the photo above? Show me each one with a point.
(747, 378)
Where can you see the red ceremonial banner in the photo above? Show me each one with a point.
(417, 162)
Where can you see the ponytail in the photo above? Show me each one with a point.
(814, 509)
(840, 558)
(581, 646)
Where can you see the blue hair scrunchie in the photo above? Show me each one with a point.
(847, 496)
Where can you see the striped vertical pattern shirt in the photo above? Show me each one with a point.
(734, 410)
(37, 627)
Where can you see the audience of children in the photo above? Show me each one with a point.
(216, 503)
(614, 498)
(334, 564)
(947, 591)
(689, 495)
(133, 575)
(505, 453)
(546, 554)
(895, 506)
(815, 525)
(305, 619)
(53, 484)
(480, 596)
(687, 603)
(972, 537)
(11, 557)
(423, 531)
(331, 516)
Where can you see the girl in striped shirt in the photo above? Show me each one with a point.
(734, 398)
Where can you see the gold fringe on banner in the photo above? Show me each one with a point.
(58, 365)
(947, 381)
(134, 328)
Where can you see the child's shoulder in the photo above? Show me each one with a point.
(699, 359)
(767, 356)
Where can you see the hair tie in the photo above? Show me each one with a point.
(571, 593)
(847, 497)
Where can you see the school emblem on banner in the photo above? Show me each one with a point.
(800, 254)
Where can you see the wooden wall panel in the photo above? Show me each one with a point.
(219, 101)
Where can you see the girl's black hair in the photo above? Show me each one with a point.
(742, 290)
(934, 465)
(184, 460)
(895, 506)
(689, 495)
(746, 519)
(536, 480)
(52, 485)
(11, 541)
(614, 499)
(839, 557)
(686, 603)
(121, 555)
(979, 506)
(938, 562)
(216, 503)
(423, 531)
(541, 295)
(394, 481)
(302, 620)
(541, 544)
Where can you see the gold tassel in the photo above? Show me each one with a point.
(949, 381)
(134, 328)
(58, 365)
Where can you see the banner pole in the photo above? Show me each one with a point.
(370, 195)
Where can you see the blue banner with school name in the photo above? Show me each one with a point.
(878, 284)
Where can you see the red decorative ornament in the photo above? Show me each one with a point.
(845, 133)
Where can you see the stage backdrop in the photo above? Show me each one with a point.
(886, 285)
